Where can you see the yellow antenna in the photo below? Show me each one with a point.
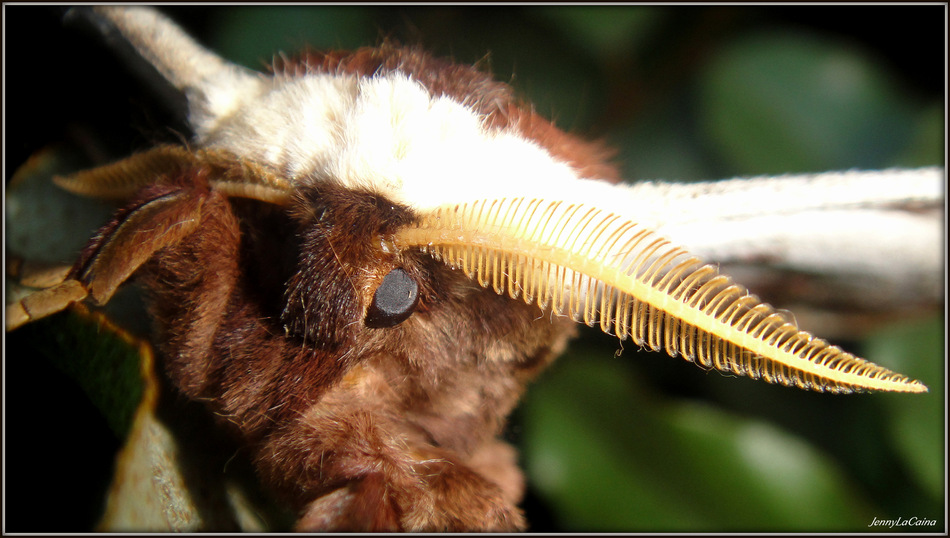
(600, 268)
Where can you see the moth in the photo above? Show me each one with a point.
(366, 324)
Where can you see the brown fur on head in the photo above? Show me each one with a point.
(316, 390)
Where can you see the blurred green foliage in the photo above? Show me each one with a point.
(641, 442)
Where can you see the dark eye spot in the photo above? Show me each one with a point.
(394, 301)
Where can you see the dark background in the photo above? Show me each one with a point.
(64, 87)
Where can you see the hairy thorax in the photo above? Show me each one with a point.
(279, 348)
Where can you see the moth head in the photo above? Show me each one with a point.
(484, 186)
(343, 270)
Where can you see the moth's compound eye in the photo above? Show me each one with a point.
(394, 301)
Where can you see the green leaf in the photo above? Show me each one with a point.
(101, 358)
(43, 222)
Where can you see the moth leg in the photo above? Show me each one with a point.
(40, 304)
(403, 485)
(498, 461)
(459, 497)
(119, 248)
(357, 464)
(36, 275)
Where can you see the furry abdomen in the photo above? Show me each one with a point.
(344, 419)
